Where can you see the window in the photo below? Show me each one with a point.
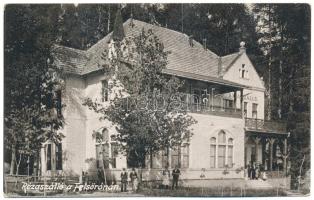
(213, 152)
(245, 109)
(230, 152)
(59, 156)
(102, 149)
(222, 152)
(196, 96)
(114, 154)
(221, 156)
(104, 91)
(164, 159)
(253, 155)
(185, 156)
(54, 156)
(199, 98)
(243, 72)
(160, 160)
(48, 157)
(105, 135)
(222, 137)
(221, 149)
(180, 156)
(204, 97)
(228, 103)
(156, 160)
(254, 110)
(175, 158)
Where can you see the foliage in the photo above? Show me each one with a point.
(30, 30)
(30, 79)
(289, 44)
(142, 127)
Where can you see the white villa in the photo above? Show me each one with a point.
(230, 132)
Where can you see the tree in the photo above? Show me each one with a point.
(288, 41)
(140, 87)
(30, 81)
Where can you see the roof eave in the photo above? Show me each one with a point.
(208, 79)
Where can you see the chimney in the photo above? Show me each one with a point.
(118, 31)
(220, 70)
(242, 48)
(191, 40)
(204, 43)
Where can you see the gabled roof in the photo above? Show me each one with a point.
(183, 57)
(228, 60)
(72, 60)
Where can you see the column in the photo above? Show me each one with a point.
(110, 155)
(263, 153)
(245, 149)
(256, 140)
(241, 101)
(271, 152)
(285, 156)
(235, 100)
(53, 159)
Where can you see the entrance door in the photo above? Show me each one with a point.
(253, 156)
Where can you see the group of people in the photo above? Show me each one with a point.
(124, 180)
(255, 172)
(165, 179)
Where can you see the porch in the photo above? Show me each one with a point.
(266, 145)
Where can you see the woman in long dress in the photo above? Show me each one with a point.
(134, 181)
(166, 178)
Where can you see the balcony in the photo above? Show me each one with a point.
(260, 125)
(214, 110)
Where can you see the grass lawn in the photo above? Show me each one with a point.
(212, 192)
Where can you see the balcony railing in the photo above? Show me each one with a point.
(213, 110)
(262, 125)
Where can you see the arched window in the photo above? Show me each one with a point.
(213, 145)
(222, 137)
(230, 152)
(221, 151)
(105, 135)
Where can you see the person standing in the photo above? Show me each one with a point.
(134, 180)
(100, 176)
(257, 172)
(166, 178)
(253, 171)
(124, 180)
(175, 177)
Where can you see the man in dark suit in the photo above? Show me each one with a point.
(124, 180)
(175, 177)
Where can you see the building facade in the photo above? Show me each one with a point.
(225, 95)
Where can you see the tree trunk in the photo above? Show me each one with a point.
(280, 75)
(13, 159)
(108, 24)
(269, 66)
(18, 164)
